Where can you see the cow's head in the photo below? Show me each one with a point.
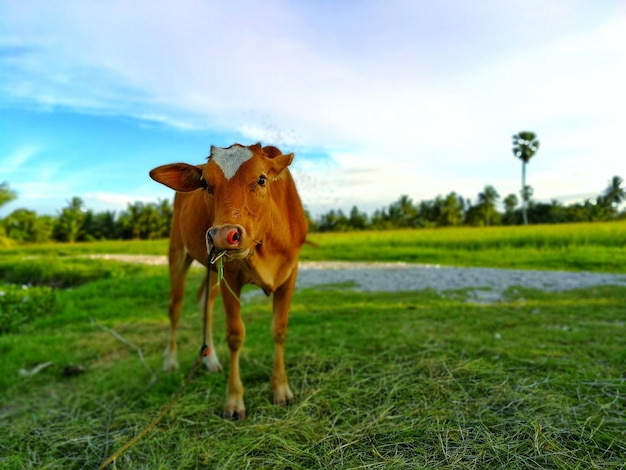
(236, 183)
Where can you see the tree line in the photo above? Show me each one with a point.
(152, 220)
(454, 210)
(141, 220)
(75, 223)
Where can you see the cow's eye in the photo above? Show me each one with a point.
(261, 181)
(206, 187)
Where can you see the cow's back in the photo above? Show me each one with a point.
(291, 217)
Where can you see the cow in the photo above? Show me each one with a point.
(241, 205)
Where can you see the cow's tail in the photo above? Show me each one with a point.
(310, 243)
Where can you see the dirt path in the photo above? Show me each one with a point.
(484, 284)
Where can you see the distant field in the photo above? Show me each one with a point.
(592, 247)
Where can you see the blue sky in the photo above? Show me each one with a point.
(376, 98)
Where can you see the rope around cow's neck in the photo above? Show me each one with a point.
(218, 260)
(205, 350)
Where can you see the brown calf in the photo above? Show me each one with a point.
(244, 202)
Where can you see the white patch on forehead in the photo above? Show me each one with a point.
(229, 160)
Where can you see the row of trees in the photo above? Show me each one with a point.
(152, 220)
(74, 223)
(454, 210)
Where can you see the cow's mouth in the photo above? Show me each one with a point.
(229, 255)
(215, 252)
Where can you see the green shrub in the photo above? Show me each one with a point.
(60, 272)
(20, 305)
(6, 242)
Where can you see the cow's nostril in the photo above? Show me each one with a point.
(233, 237)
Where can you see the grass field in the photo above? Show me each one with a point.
(591, 247)
(402, 380)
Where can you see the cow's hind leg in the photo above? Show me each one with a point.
(209, 359)
(282, 301)
(179, 265)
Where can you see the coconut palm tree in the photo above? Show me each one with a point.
(614, 193)
(509, 208)
(525, 145)
(6, 195)
(403, 212)
(487, 200)
(451, 210)
(70, 221)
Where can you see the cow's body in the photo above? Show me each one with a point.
(245, 203)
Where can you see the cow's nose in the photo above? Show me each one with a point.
(225, 237)
(233, 236)
(210, 244)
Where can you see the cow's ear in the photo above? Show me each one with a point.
(178, 176)
(271, 151)
(279, 163)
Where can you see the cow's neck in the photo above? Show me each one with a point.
(268, 272)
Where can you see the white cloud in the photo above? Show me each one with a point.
(118, 202)
(15, 160)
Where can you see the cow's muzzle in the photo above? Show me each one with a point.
(228, 238)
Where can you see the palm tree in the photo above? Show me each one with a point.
(6, 194)
(451, 210)
(403, 213)
(69, 223)
(525, 145)
(166, 211)
(509, 208)
(487, 203)
(357, 219)
(614, 193)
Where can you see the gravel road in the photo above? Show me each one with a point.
(485, 284)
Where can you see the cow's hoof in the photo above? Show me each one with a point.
(170, 362)
(211, 363)
(235, 408)
(283, 395)
(234, 415)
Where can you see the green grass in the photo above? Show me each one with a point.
(143, 247)
(20, 305)
(402, 380)
(55, 271)
(591, 247)
(575, 247)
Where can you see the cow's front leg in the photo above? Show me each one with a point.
(235, 334)
(209, 359)
(281, 304)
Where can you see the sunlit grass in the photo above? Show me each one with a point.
(585, 246)
(593, 247)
